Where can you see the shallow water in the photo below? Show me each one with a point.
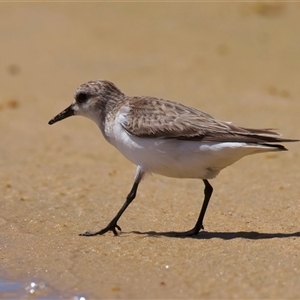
(33, 289)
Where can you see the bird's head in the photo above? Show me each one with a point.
(90, 100)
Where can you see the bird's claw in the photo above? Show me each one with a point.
(110, 227)
(188, 233)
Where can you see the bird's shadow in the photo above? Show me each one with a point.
(205, 235)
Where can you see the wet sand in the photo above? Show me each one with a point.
(237, 61)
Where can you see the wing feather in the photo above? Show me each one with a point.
(149, 117)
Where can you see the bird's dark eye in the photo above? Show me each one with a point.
(81, 97)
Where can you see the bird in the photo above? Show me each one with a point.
(167, 138)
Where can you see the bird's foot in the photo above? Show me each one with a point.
(188, 233)
(110, 227)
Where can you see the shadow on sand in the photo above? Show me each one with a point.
(204, 235)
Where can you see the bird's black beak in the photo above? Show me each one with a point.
(68, 112)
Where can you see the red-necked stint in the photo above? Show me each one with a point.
(167, 138)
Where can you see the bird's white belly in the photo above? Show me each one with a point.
(179, 158)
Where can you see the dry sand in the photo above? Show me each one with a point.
(239, 62)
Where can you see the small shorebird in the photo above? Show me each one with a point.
(167, 138)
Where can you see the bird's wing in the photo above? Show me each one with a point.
(148, 117)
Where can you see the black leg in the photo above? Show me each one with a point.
(113, 226)
(208, 190)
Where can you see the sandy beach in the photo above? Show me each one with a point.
(238, 62)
